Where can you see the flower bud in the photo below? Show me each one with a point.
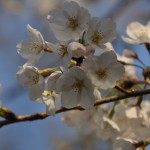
(130, 54)
(76, 49)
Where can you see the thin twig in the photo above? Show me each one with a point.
(122, 89)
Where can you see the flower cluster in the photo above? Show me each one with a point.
(81, 72)
(83, 76)
(124, 123)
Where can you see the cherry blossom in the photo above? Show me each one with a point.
(29, 77)
(138, 33)
(32, 49)
(70, 22)
(104, 70)
(76, 88)
(61, 50)
(100, 32)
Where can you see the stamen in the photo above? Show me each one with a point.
(34, 46)
(102, 73)
(33, 78)
(73, 22)
(78, 86)
(96, 37)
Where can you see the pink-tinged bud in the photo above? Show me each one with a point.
(76, 49)
(89, 50)
(130, 54)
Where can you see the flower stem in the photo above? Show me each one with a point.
(124, 63)
(141, 62)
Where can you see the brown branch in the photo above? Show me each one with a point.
(139, 144)
(119, 88)
(42, 115)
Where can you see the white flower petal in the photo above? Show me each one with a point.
(69, 98)
(132, 112)
(106, 58)
(112, 123)
(26, 50)
(50, 106)
(86, 98)
(51, 80)
(133, 29)
(99, 32)
(61, 82)
(116, 70)
(71, 8)
(32, 61)
(63, 35)
(35, 35)
(97, 94)
(76, 71)
(57, 18)
(35, 92)
(131, 41)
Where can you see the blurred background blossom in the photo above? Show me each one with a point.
(14, 17)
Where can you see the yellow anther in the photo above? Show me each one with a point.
(102, 73)
(34, 46)
(96, 37)
(78, 86)
(73, 22)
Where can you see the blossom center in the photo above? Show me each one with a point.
(33, 79)
(77, 87)
(34, 46)
(96, 37)
(73, 22)
(102, 73)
